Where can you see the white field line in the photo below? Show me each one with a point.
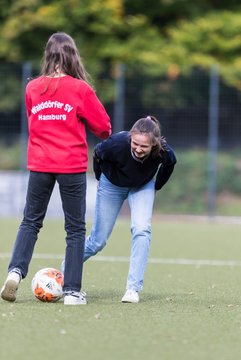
(170, 261)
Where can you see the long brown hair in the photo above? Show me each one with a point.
(151, 126)
(61, 53)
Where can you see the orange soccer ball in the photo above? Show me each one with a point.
(47, 285)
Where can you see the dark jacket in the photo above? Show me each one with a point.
(114, 159)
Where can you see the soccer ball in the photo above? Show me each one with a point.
(47, 285)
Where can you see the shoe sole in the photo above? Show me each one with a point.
(9, 291)
(129, 301)
(68, 304)
(75, 304)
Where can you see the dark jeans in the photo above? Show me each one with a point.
(72, 189)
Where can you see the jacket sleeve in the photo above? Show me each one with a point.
(27, 101)
(96, 117)
(96, 165)
(166, 168)
(103, 151)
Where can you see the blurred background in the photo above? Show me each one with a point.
(175, 59)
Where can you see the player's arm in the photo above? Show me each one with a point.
(166, 168)
(96, 165)
(102, 152)
(28, 102)
(97, 119)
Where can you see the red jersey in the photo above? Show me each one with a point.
(56, 121)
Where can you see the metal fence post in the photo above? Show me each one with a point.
(26, 73)
(213, 140)
(119, 106)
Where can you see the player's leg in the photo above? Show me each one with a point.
(141, 204)
(40, 187)
(109, 200)
(73, 195)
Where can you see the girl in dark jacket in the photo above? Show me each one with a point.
(130, 165)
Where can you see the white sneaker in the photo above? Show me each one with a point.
(75, 299)
(10, 287)
(131, 296)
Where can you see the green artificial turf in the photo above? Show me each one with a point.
(186, 311)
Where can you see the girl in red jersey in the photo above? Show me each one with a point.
(59, 103)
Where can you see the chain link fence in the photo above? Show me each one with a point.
(185, 105)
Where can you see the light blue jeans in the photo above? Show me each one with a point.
(109, 201)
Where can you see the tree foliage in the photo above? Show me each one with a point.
(161, 36)
(213, 39)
